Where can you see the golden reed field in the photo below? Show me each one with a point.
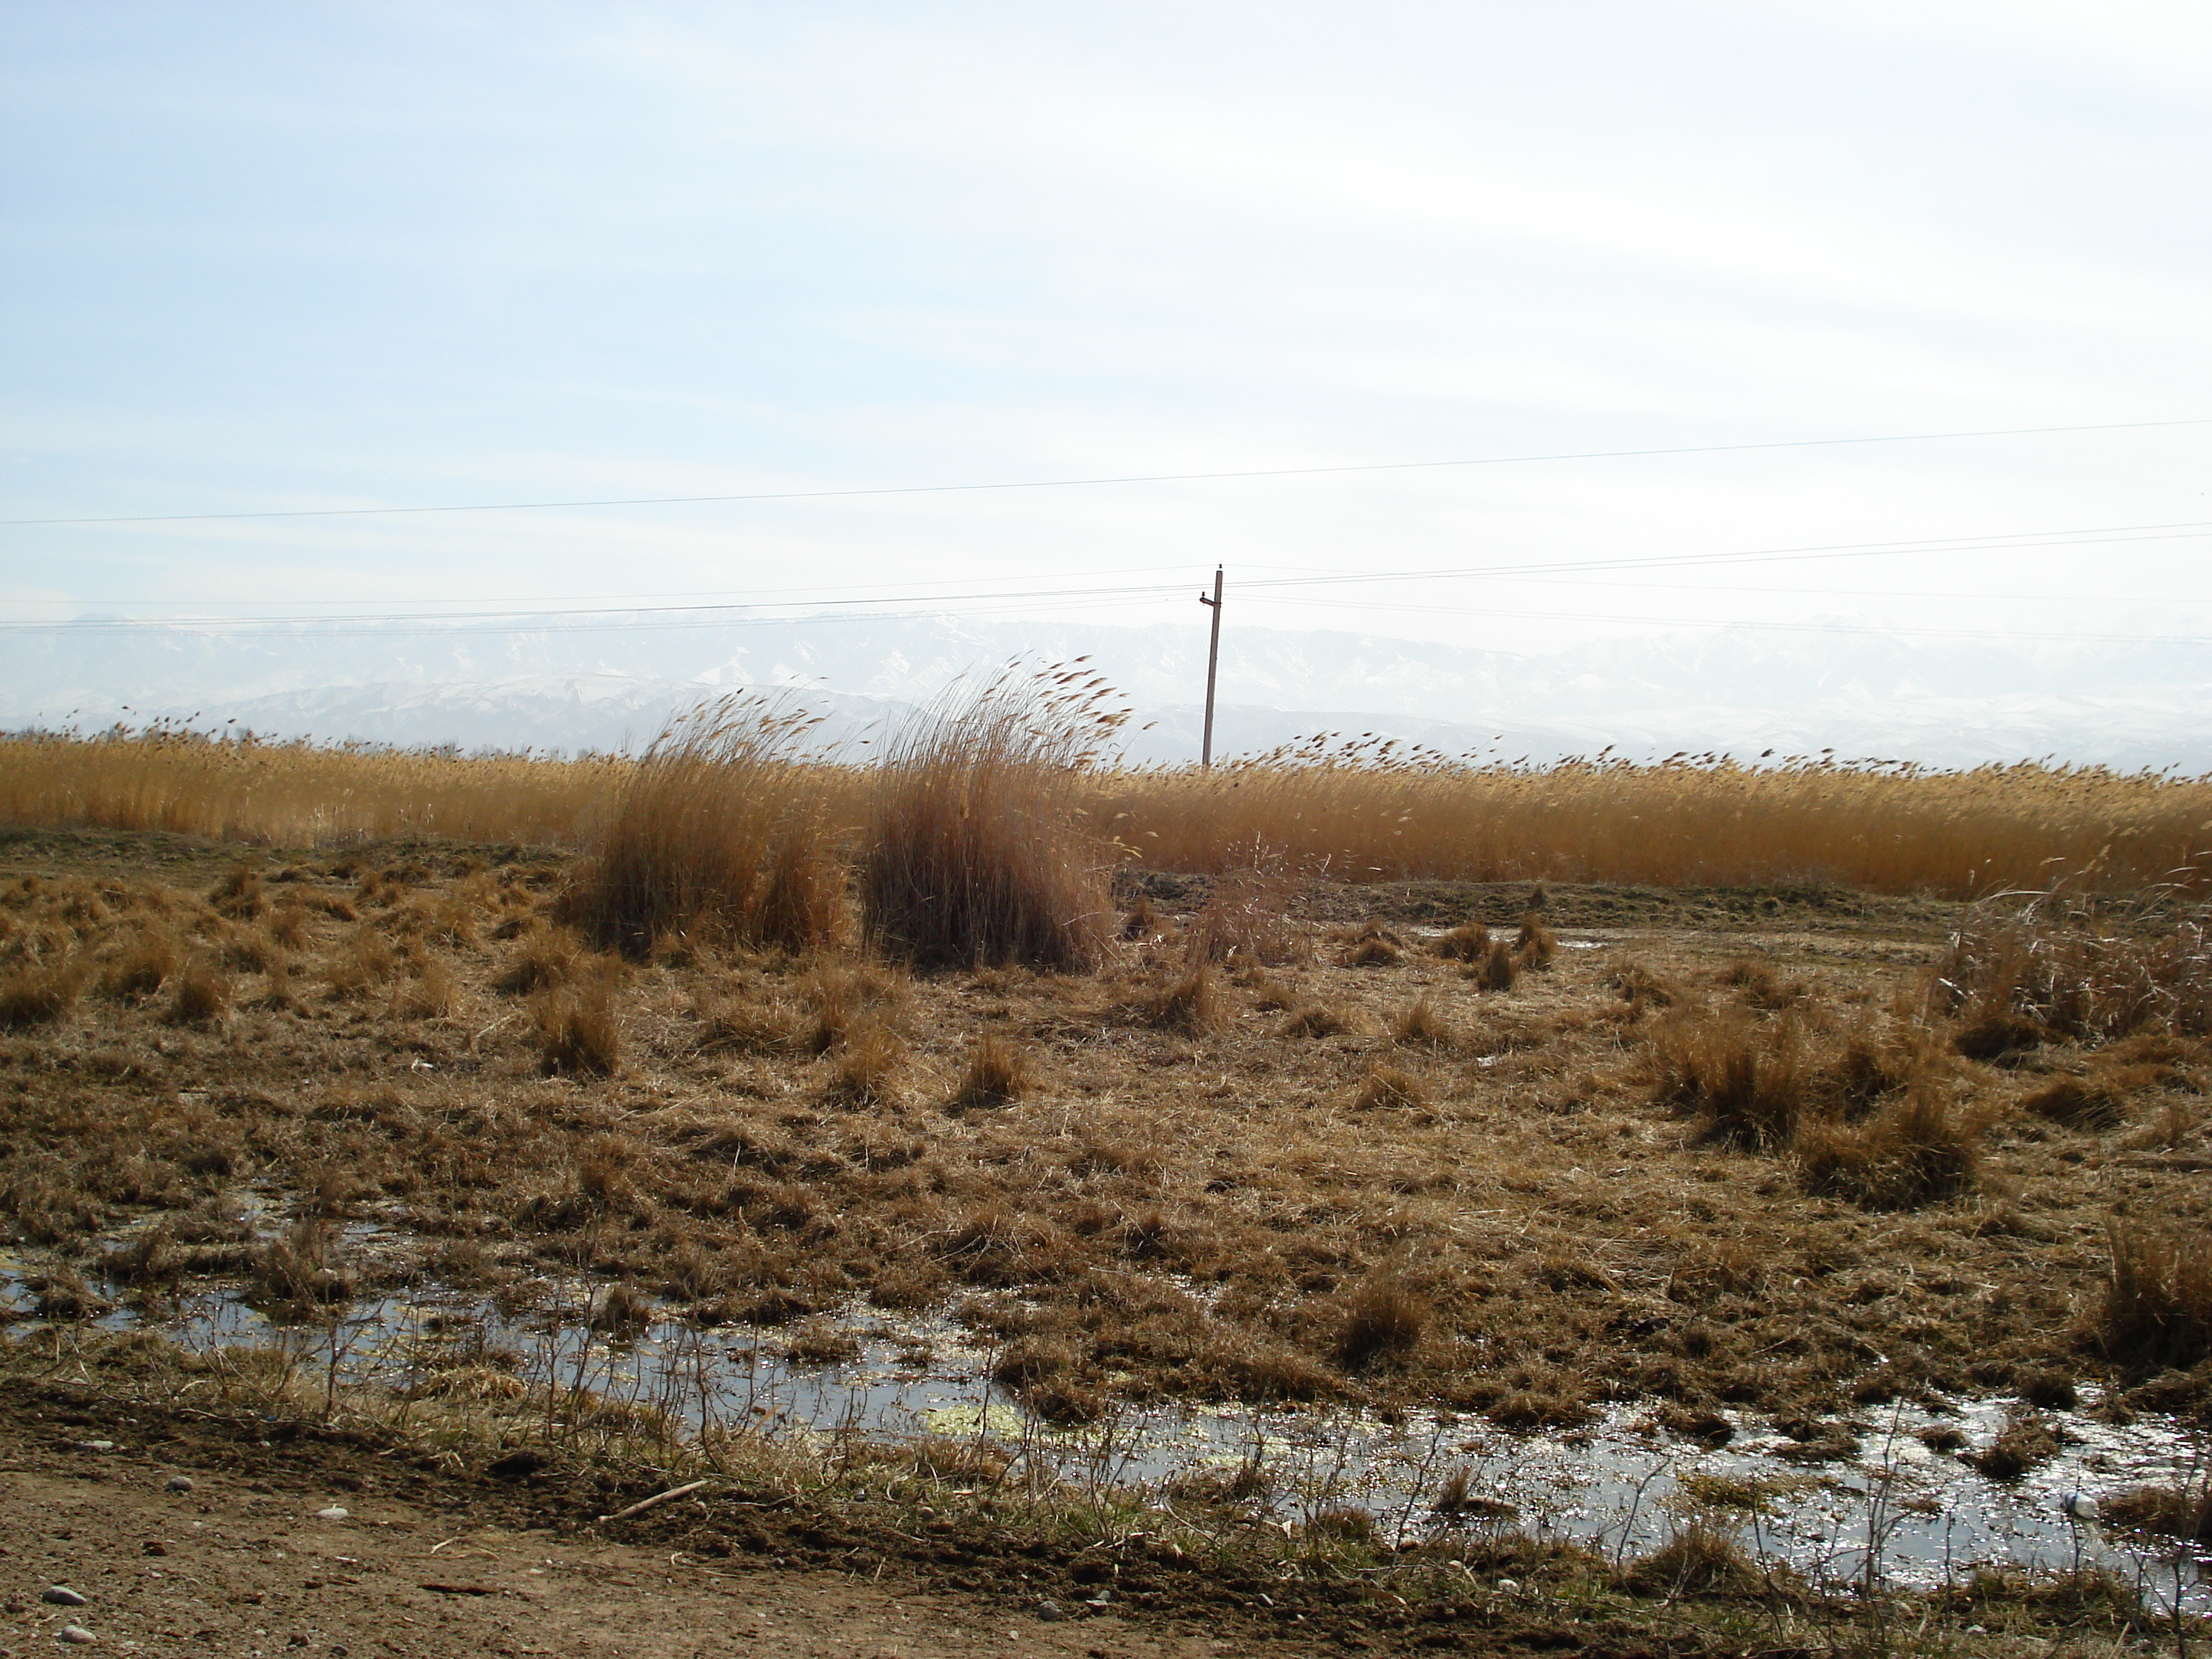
(1356, 812)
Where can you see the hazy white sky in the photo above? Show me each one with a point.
(295, 256)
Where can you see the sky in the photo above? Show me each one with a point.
(283, 258)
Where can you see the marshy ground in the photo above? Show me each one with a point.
(1712, 1153)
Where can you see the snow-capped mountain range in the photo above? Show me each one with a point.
(1940, 702)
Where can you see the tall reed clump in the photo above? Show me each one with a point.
(722, 827)
(977, 850)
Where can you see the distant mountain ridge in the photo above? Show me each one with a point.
(1735, 690)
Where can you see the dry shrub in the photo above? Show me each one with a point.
(39, 993)
(1916, 1150)
(204, 993)
(974, 852)
(1747, 1082)
(577, 1032)
(1191, 1005)
(1469, 942)
(2157, 1309)
(721, 825)
(1373, 946)
(1382, 1322)
(1422, 1026)
(997, 1073)
(1535, 945)
(1389, 1086)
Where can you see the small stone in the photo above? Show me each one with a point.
(78, 1635)
(1048, 1610)
(63, 1597)
(95, 1445)
(333, 1513)
(180, 1483)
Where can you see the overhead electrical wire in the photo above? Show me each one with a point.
(1099, 482)
(523, 619)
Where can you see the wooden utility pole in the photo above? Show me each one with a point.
(1213, 667)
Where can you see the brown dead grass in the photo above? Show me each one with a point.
(1188, 1212)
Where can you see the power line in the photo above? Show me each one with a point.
(2016, 541)
(1091, 483)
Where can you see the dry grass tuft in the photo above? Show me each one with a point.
(1469, 942)
(1314, 1019)
(1422, 1026)
(145, 964)
(1747, 1082)
(577, 1033)
(1191, 1005)
(1914, 1150)
(39, 993)
(1534, 946)
(239, 896)
(868, 1066)
(1387, 1086)
(975, 853)
(204, 993)
(1497, 970)
(1702, 1558)
(998, 1074)
(2162, 1512)
(720, 826)
(1382, 1322)
(2157, 1309)
(1242, 921)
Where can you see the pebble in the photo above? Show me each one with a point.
(95, 1445)
(180, 1483)
(63, 1597)
(333, 1513)
(1048, 1610)
(75, 1633)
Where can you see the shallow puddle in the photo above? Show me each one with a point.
(1919, 1515)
